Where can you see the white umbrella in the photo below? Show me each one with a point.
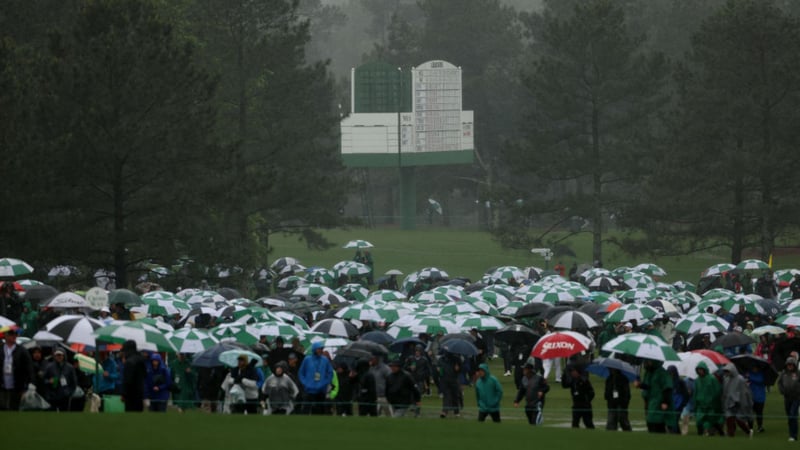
(67, 300)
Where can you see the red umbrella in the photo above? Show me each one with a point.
(718, 358)
(17, 287)
(561, 344)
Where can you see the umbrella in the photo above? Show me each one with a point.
(12, 267)
(641, 345)
(335, 327)
(478, 322)
(746, 362)
(460, 347)
(561, 344)
(40, 293)
(379, 337)
(353, 291)
(147, 337)
(694, 322)
(210, 356)
(231, 357)
(393, 272)
(533, 310)
(291, 282)
(398, 345)
(229, 293)
(68, 300)
(239, 332)
(353, 269)
(768, 329)
(626, 313)
(435, 206)
(191, 340)
(86, 364)
(601, 366)
(312, 290)
(74, 329)
(505, 273)
(791, 319)
(664, 307)
(716, 357)
(606, 284)
(718, 269)
(752, 264)
(573, 320)
(734, 339)
(516, 334)
(162, 326)
(280, 263)
(372, 347)
(687, 365)
(432, 274)
(387, 295)
(650, 269)
(358, 243)
(124, 296)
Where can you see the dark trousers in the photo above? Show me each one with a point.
(315, 404)
(9, 400)
(451, 394)
(732, 422)
(159, 406)
(656, 427)
(367, 409)
(250, 406)
(344, 408)
(582, 412)
(533, 415)
(791, 406)
(758, 411)
(618, 417)
(494, 414)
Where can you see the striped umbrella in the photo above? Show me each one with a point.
(353, 291)
(650, 269)
(292, 319)
(275, 329)
(718, 269)
(791, 319)
(12, 267)
(359, 311)
(553, 295)
(511, 308)
(497, 299)
(191, 340)
(411, 326)
(161, 307)
(452, 292)
(162, 326)
(312, 290)
(626, 313)
(469, 321)
(573, 320)
(74, 329)
(147, 338)
(455, 308)
(635, 280)
(239, 332)
(643, 346)
(718, 294)
(752, 264)
(694, 322)
(387, 295)
(353, 269)
(503, 274)
(482, 305)
(320, 275)
(358, 243)
(335, 327)
(638, 295)
(428, 297)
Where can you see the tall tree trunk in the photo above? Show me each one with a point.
(737, 238)
(767, 209)
(120, 260)
(597, 189)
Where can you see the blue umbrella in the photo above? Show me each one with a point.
(398, 345)
(600, 368)
(210, 356)
(460, 347)
(379, 337)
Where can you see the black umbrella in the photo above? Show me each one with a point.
(601, 366)
(460, 347)
(39, 294)
(734, 339)
(516, 335)
(536, 309)
(556, 310)
(573, 320)
(744, 363)
(372, 347)
(398, 345)
(771, 307)
(594, 310)
(463, 336)
(379, 337)
(229, 293)
(210, 356)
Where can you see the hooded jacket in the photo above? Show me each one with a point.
(280, 390)
(247, 377)
(159, 377)
(789, 381)
(134, 372)
(656, 390)
(315, 372)
(488, 391)
(737, 401)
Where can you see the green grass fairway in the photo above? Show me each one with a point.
(470, 253)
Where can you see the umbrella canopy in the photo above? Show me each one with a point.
(68, 300)
(124, 296)
(601, 367)
(210, 356)
(626, 313)
(312, 291)
(692, 323)
(479, 322)
(40, 293)
(238, 332)
(358, 243)
(74, 329)
(460, 347)
(688, 362)
(734, 339)
(379, 337)
(643, 346)
(230, 357)
(573, 320)
(650, 269)
(353, 269)
(353, 291)
(335, 327)
(533, 310)
(280, 263)
(393, 272)
(561, 344)
(146, 337)
(747, 363)
(716, 357)
(516, 334)
(791, 319)
(768, 329)
(387, 295)
(373, 348)
(752, 264)
(12, 267)
(718, 269)
(191, 340)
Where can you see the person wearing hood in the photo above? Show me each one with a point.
(617, 395)
(737, 401)
(381, 372)
(184, 377)
(533, 388)
(157, 383)
(134, 372)
(245, 376)
(577, 381)
(316, 374)
(401, 390)
(488, 393)
(758, 389)
(656, 386)
(789, 387)
(706, 397)
(280, 391)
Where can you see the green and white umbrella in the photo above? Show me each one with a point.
(231, 357)
(718, 269)
(781, 275)
(503, 274)
(682, 286)
(643, 346)
(650, 269)
(291, 282)
(741, 301)
(455, 308)
(292, 319)
(695, 322)
(553, 295)
(497, 299)
(411, 326)
(241, 333)
(634, 280)
(428, 297)
(387, 295)
(312, 291)
(359, 311)
(791, 319)
(191, 340)
(452, 292)
(157, 307)
(353, 269)
(632, 311)
(595, 272)
(254, 314)
(511, 308)
(718, 294)
(639, 295)
(358, 243)
(469, 321)
(27, 283)
(320, 275)
(147, 338)
(506, 291)
(482, 305)
(12, 267)
(353, 291)
(752, 264)
(162, 326)
(277, 328)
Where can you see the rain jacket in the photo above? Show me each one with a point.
(758, 388)
(103, 383)
(315, 372)
(657, 389)
(401, 391)
(529, 388)
(248, 378)
(157, 377)
(60, 381)
(280, 391)
(706, 397)
(184, 376)
(789, 382)
(737, 401)
(488, 391)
